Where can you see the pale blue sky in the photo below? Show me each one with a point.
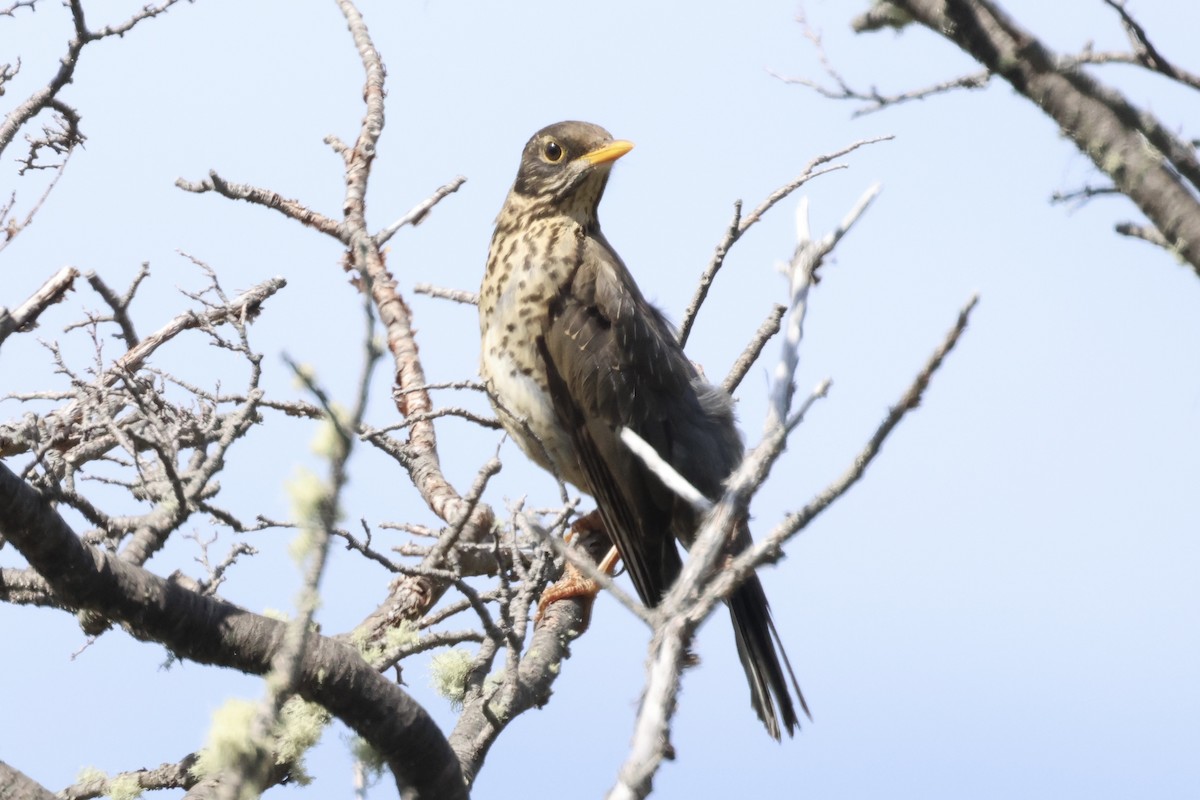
(1005, 606)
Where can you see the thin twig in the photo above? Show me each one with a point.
(293, 209)
(456, 295)
(880, 15)
(1146, 53)
(118, 304)
(769, 327)
(587, 567)
(876, 101)
(801, 271)
(769, 548)
(740, 225)
(419, 211)
(1147, 233)
(665, 472)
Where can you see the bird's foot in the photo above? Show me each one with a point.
(574, 584)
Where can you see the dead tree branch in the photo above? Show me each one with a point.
(703, 583)
(24, 317)
(211, 631)
(1147, 162)
(739, 225)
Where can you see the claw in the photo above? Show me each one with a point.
(574, 584)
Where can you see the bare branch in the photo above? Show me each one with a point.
(318, 514)
(527, 684)
(682, 610)
(62, 142)
(1147, 161)
(419, 211)
(702, 583)
(769, 548)
(120, 29)
(1101, 58)
(1145, 232)
(61, 424)
(216, 573)
(880, 15)
(46, 97)
(456, 295)
(24, 317)
(665, 472)
(1145, 53)
(165, 776)
(449, 539)
(20, 786)
(210, 631)
(768, 329)
(875, 101)
(739, 225)
(801, 272)
(10, 10)
(24, 587)
(293, 209)
(586, 564)
(1080, 196)
(120, 304)
(700, 587)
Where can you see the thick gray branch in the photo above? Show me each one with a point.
(212, 631)
(1146, 161)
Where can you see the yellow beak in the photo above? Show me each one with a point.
(608, 153)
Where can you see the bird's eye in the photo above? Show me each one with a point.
(553, 152)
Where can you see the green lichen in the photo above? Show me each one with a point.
(372, 652)
(449, 672)
(327, 442)
(1113, 163)
(394, 639)
(301, 724)
(403, 635)
(369, 757)
(298, 729)
(91, 775)
(124, 787)
(229, 738)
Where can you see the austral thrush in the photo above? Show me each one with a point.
(572, 352)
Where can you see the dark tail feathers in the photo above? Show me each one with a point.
(761, 653)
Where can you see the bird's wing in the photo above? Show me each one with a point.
(613, 362)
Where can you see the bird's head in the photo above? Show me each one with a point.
(565, 166)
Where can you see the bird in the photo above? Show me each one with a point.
(572, 352)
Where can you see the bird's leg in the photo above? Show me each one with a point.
(588, 531)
